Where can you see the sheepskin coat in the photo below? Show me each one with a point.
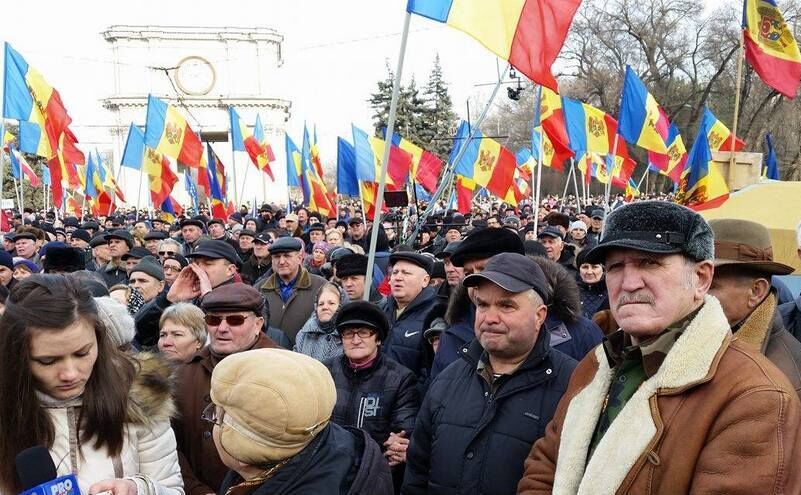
(717, 417)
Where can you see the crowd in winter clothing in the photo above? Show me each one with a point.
(503, 350)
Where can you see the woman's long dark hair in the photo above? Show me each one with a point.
(52, 303)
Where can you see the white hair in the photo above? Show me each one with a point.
(179, 248)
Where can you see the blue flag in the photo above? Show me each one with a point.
(772, 169)
(191, 190)
(347, 181)
(134, 148)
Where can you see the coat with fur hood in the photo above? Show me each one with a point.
(717, 417)
(148, 456)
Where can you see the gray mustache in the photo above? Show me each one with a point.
(634, 298)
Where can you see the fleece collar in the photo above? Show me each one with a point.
(692, 360)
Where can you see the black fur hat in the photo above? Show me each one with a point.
(485, 243)
(63, 260)
(656, 227)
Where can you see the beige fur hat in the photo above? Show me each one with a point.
(273, 403)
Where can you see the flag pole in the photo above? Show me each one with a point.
(575, 185)
(139, 191)
(535, 208)
(233, 171)
(738, 83)
(644, 177)
(2, 152)
(449, 172)
(393, 108)
(567, 183)
(244, 180)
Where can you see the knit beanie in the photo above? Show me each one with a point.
(275, 401)
(150, 266)
(115, 317)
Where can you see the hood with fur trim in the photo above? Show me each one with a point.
(565, 302)
(151, 396)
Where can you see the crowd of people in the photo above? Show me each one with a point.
(576, 347)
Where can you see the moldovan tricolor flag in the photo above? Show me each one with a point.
(702, 186)
(641, 121)
(168, 132)
(485, 162)
(718, 135)
(527, 33)
(43, 120)
(770, 46)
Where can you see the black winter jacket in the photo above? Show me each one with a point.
(252, 270)
(340, 461)
(405, 341)
(470, 440)
(594, 297)
(380, 399)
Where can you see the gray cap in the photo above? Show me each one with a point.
(514, 273)
(286, 245)
(150, 266)
(656, 227)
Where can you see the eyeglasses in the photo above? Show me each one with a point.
(363, 333)
(166, 253)
(210, 414)
(168, 268)
(232, 320)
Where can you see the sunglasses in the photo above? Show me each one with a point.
(168, 268)
(166, 253)
(232, 320)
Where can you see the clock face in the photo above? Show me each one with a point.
(195, 76)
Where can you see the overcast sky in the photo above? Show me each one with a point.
(334, 51)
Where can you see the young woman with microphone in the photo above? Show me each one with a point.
(103, 416)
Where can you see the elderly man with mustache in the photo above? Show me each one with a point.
(671, 402)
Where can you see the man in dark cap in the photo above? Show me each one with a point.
(258, 264)
(148, 277)
(357, 233)
(291, 289)
(119, 241)
(132, 258)
(234, 322)
(192, 233)
(217, 232)
(470, 256)
(27, 246)
(406, 307)
(213, 264)
(351, 270)
(482, 414)
(670, 400)
(743, 268)
(557, 249)
(152, 240)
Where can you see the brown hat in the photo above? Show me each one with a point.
(233, 297)
(745, 243)
(274, 402)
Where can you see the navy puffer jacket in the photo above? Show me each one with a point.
(470, 439)
(405, 342)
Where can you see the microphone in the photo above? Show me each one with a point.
(38, 474)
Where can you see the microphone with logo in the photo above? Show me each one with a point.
(38, 474)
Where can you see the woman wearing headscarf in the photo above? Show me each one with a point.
(319, 338)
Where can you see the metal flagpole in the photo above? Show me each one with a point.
(575, 184)
(244, 180)
(233, 171)
(448, 175)
(379, 200)
(567, 182)
(644, 176)
(537, 115)
(139, 191)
